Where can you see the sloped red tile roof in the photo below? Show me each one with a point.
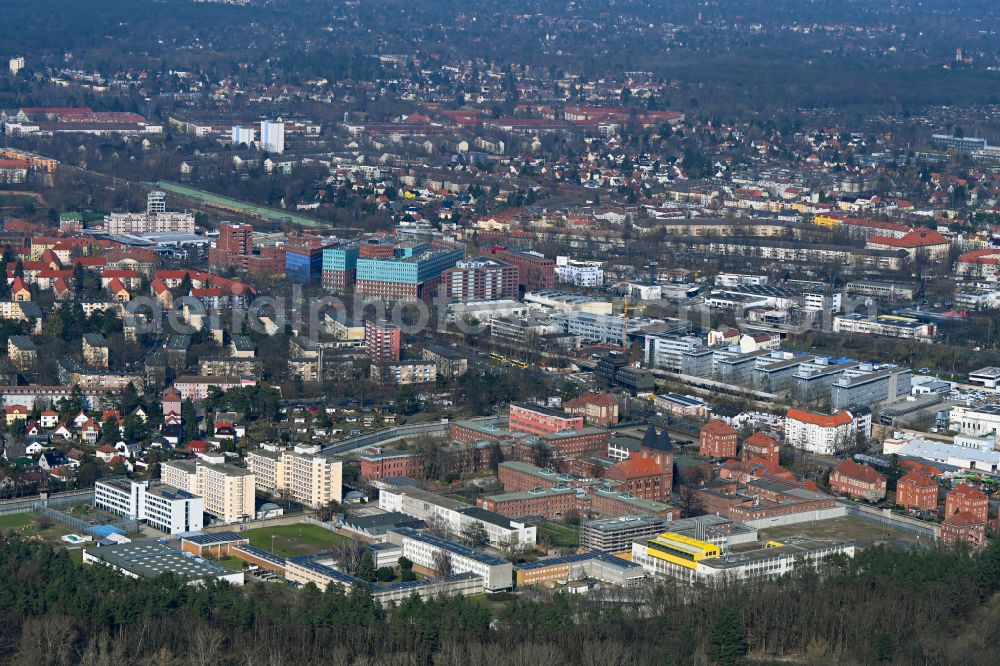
(822, 420)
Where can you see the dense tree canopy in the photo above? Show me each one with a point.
(884, 606)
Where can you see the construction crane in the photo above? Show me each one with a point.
(626, 308)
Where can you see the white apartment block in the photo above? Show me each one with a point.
(272, 136)
(405, 372)
(299, 474)
(147, 223)
(228, 491)
(243, 135)
(579, 273)
(195, 388)
(819, 433)
(165, 508)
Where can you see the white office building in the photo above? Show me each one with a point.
(817, 301)
(667, 351)
(889, 326)
(272, 136)
(597, 328)
(579, 273)
(986, 377)
(162, 507)
(172, 510)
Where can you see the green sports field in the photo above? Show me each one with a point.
(292, 540)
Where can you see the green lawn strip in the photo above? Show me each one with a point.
(292, 540)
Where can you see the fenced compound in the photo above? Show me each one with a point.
(890, 520)
(127, 526)
(26, 504)
(49, 507)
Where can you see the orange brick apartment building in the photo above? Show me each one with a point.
(917, 491)
(718, 440)
(857, 480)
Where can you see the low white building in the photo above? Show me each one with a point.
(986, 377)
(739, 280)
(456, 516)
(692, 561)
(599, 329)
(889, 326)
(644, 291)
(557, 300)
(976, 421)
(428, 551)
(483, 311)
(149, 559)
(681, 405)
(967, 455)
(579, 273)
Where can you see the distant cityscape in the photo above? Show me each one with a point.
(538, 333)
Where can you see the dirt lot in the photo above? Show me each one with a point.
(845, 529)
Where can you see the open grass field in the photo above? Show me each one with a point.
(15, 200)
(558, 535)
(292, 540)
(15, 520)
(31, 525)
(230, 563)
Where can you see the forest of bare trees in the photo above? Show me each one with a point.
(884, 606)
